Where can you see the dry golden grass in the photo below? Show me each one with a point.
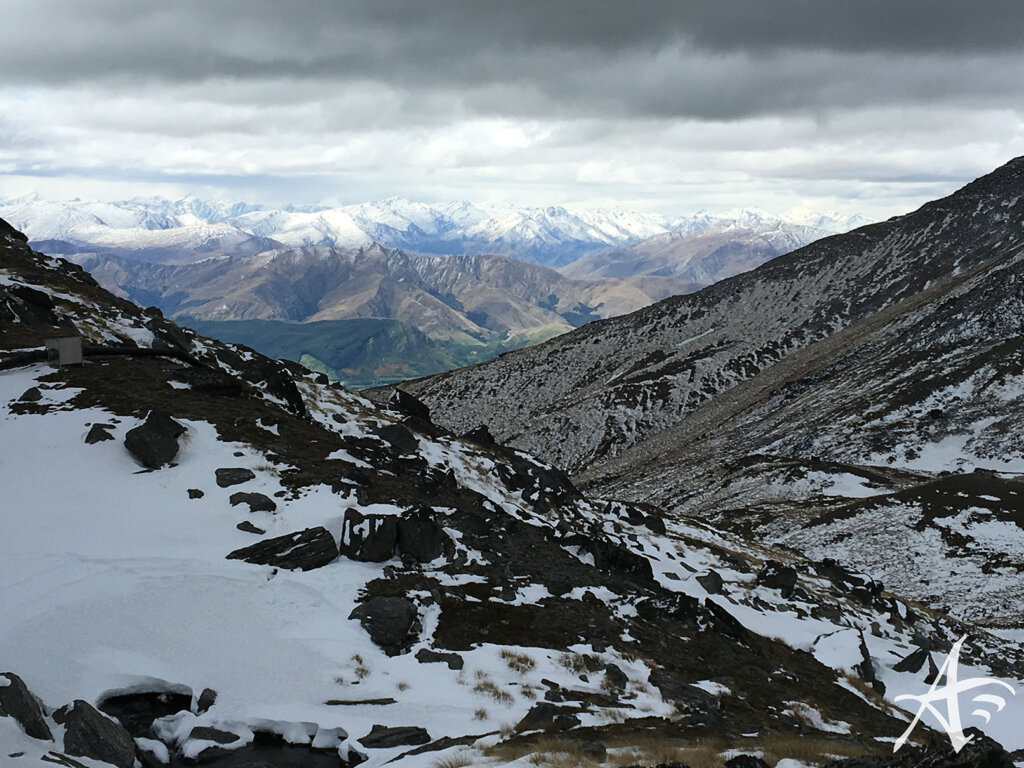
(490, 688)
(548, 752)
(708, 753)
(572, 662)
(518, 662)
(455, 761)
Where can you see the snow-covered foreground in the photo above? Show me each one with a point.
(115, 580)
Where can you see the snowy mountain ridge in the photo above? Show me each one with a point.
(551, 236)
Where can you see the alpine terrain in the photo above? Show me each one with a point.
(859, 398)
(210, 557)
(394, 290)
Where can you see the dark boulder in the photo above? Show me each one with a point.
(368, 538)
(195, 493)
(303, 550)
(384, 737)
(392, 622)
(401, 439)
(31, 395)
(699, 705)
(427, 656)
(609, 556)
(712, 582)
(248, 527)
(481, 436)
(420, 537)
(257, 502)
(206, 700)
(408, 405)
(17, 701)
(775, 575)
(615, 678)
(228, 476)
(92, 734)
(98, 433)
(154, 443)
(655, 524)
(545, 716)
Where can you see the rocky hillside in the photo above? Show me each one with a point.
(430, 313)
(457, 298)
(212, 557)
(617, 382)
(860, 399)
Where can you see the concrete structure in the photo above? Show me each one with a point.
(64, 351)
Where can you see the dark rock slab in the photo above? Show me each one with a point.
(427, 656)
(711, 581)
(248, 527)
(304, 550)
(98, 433)
(195, 493)
(545, 716)
(154, 443)
(228, 476)
(206, 733)
(359, 702)
(383, 737)
(257, 502)
(17, 701)
(390, 621)
(92, 734)
(913, 661)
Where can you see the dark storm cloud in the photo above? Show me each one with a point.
(706, 60)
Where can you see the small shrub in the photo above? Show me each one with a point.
(518, 662)
(528, 691)
(480, 714)
(402, 686)
(573, 662)
(488, 688)
(455, 761)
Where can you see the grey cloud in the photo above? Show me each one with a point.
(709, 60)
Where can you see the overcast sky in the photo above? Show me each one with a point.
(861, 106)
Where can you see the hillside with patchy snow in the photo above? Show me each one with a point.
(209, 555)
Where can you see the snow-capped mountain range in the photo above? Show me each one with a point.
(552, 236)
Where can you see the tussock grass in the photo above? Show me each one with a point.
(487, 687)
(518, 662)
